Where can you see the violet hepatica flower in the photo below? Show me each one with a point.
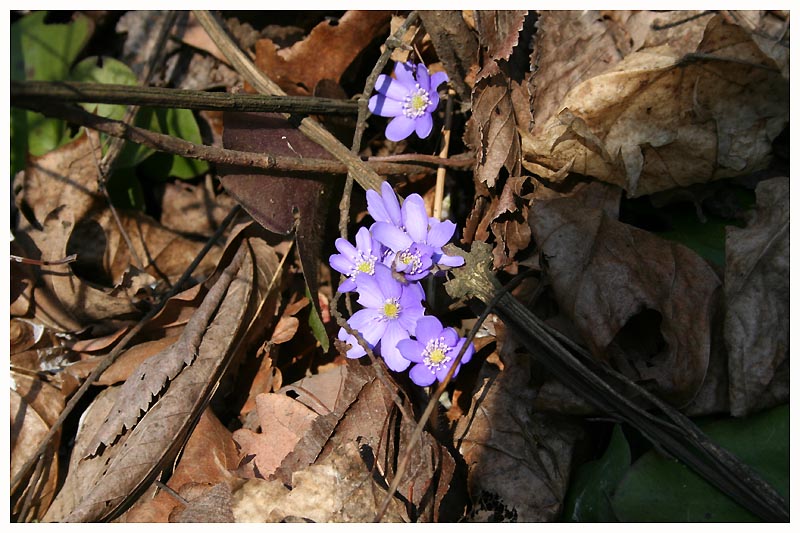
(415, 239)
(358, 259)
(410, 98)
(390, 314)
(434, 351)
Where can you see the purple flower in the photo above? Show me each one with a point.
(391, 310)
(358, 259)
(410, 100)
(434, 351)
(415, 239)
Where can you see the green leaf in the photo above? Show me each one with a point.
(125, 189)
(589, 495)
(315, 322)
(181, 123)
(657, 489)
(706, 238)
(111, 71)
(42, 52)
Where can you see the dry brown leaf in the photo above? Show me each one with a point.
(641, 302)
(283, 421)
(125, 365)
(58, 190)
(206, 505)
(208, 459)
(34, 406)
(770, 31)
(82, 474)
(153, 374)
(331, 392)
(660, 119)
(517, 458)
(757, 297)
(498, 31)
(131, 466)
(193, 209)
(298, 69)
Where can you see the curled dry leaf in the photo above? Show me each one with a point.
(517, 459)
(757, 297)
(657, 326)
(661, 119)
(34, 406)
(298, 69)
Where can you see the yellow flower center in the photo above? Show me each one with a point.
(436, 356)
(415, 103)
(366, 266)
(391, 309)
(419, 103)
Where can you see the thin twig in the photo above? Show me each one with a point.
(213, 154)
(441, 173)
(39, 262)
(103, 93)
(115, 353)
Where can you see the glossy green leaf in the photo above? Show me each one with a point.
(181, 123)
(125, 189)
(706, 238)
(658, 489)
(589, 496)
(42, 52)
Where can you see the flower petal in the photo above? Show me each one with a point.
(355, 350)
(434, 97)
(423, 78)
(366, 322)
(421, 375)
(341, 264)
(415, 217)
(400, 127)
(404, 73)
(347, 285)
(441, 233)
(442, 372)
(376, 207)
(450, 260)
(428, 327)
(393, 335)
(437, 78)
(423, 127)
(392, 203)
(369, 290)
(390, 88)
(411, 350)
(346, 247)
(364, 241)
(450, 336)
(385, 107)
(388, 287)
(391, 236)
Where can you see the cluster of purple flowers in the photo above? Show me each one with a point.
(401, 247)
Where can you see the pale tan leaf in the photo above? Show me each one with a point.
(660, 119)
(206, 505)
(283, 423)
(757, 298)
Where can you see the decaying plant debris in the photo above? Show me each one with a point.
(619, 180)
